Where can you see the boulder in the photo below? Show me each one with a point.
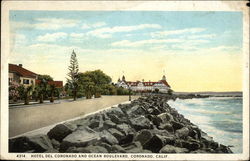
(107, 137)
(87, 149)
(141, 122)
(176, 125)
(173, 149)
(37, 143)
(81, 137)
(117, 149)
(134, 147)
(116, 133)
(166, 126)
(136, 110)
(154, 144)
(182, 133)
(165, 117)
(190, 145)
(59, 132)
(94, 123)
(144, 136)
(116, 111)
(115, 119)
(124, 128)
(126, 139)
(108, 124)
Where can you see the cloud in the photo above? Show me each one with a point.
(46, 24)
(94, 25)
(177, 32)
(52, 37)
(127, 43)
(108, 31)
(204, 36)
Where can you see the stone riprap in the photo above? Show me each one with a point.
(146, 125)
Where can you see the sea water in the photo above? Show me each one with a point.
(219, 117)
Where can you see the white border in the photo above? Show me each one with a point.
(125, 6)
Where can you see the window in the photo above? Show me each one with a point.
(26, 81)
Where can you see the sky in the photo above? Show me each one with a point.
(197, 51)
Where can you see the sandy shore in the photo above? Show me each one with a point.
(25, 119)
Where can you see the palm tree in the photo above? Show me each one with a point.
(52, 91)
(27, 94)
(42, 90)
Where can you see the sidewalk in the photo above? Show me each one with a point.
(22, 120)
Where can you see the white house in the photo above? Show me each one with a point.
(139, 86)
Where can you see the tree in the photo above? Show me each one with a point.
(42, 89)
(73, 75)
(25, 93)
(13, 91)
(52, 92)
(93, 82)
(45, 77)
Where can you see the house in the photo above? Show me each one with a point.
(57, 84)
(20, 75)
(138, 86)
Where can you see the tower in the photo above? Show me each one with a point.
(123, 78)
(163, 77)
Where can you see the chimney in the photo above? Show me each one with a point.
(20, 65)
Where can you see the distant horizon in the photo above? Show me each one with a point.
(197, 51)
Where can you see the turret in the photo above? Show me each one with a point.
(163, 77)
(123, 78)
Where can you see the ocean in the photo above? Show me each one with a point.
(219, 117)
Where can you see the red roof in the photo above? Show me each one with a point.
(165, 82)
(147, 83)
(21, 71)
(58, 84)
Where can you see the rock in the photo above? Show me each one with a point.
(37, 143)
(165, 117)
(88, 149)
(155, 111)
(59, 132)
(182, 133)
(144, 136)
(154, 144)
(154, 119)
(108, 124)
(141, 123)
(105, 145)
(108, 138)
(124, 128)
(224, 149)
(190, 145)
(93, 149)
(94, 124)
(176, 125)
(136, 110)
(117, 134)
(51, 151)
(55, 143)
(115, 119)
(115, 111)
(167, 126)
(117, 149)
(172, 149)
(126, 139)
(134, 147)
(81, 137)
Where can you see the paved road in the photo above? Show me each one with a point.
(22, 120)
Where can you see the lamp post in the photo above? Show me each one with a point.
(129, 92)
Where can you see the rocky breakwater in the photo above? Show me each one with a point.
(146, 125)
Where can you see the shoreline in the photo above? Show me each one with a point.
(146, 125)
